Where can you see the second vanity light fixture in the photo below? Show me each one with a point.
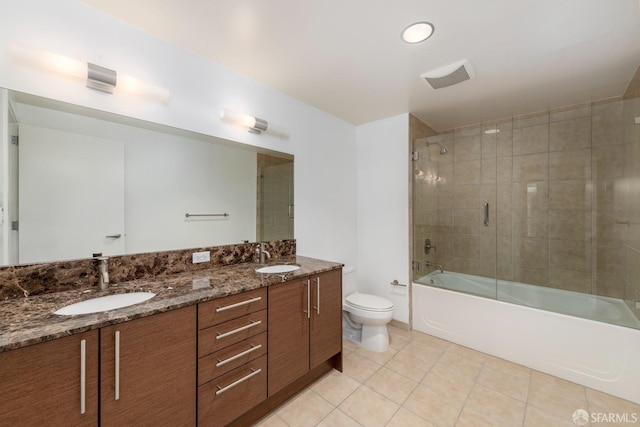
(253, 124)
(96, 77)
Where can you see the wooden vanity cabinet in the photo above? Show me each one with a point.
(325, 338)
(232, 361)
(305, 326)
(148, 370)
(41, 384)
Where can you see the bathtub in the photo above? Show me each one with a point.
(558, 332)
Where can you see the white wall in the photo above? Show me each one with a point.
(323, 146)
(383, 210)
(168, 176)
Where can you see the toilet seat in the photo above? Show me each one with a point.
(369, 302)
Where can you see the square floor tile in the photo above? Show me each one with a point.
(556, 396)
(335, 387)
(408, 366)
(308, 409)
(337, 418)
(358, 367)
(433, 406)
(496, 407)
(405, 418)
(391, 385)
(500, 381)
(368, 407)
(447, 383)
(535, 417)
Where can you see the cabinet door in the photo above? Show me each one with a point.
(41, 384)
(288, 333)
(326, 316)
(152, 381)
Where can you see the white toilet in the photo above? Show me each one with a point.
(365, 319)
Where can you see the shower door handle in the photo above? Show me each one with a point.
(486, 214)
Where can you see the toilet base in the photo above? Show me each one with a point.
(374, 338)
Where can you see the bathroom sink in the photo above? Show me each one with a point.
(109, 302)
(280, 268)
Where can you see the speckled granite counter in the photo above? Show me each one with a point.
(31, 320)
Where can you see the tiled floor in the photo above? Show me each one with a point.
(425, 381)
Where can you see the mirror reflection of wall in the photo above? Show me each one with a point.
(88, 183)
(275, 198)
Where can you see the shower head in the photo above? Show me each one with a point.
(442, 149)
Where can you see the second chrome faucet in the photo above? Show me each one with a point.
(262, 254)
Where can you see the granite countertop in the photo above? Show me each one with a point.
(31, 320)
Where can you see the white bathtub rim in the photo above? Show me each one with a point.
(614, 301)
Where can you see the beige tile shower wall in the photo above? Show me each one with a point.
(556, 182)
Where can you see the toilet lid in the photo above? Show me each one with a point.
(369, 302)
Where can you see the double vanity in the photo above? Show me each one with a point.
(223, 345)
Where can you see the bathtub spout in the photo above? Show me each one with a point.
(433, 264)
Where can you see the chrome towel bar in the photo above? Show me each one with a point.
(188, 215)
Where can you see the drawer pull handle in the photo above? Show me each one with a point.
(240, 329)
(234, 357)
(83, 376)
(238, 304)
(253, 373)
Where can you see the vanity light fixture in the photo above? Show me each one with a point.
(418, 32)
(96, 77)
(254, 124)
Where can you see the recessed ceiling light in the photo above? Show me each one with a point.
(491, 131)
(418, 32)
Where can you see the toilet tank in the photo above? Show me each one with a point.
(349, 280)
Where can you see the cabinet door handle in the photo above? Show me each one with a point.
(236, 356)
(317, 307)
(308, 298)
(83, 376)
(240, 329)
(253, 373)
(238, 304)
(117, 359)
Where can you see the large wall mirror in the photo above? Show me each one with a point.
(77, 181)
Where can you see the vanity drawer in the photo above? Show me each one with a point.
(229, 396)
(227, 308)
(229, 358)
(220, 336)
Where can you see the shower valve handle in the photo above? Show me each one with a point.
(428, 246)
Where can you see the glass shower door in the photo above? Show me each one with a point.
(455, 211)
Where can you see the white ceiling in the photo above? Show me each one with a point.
(346, 56)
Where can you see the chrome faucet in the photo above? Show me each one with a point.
(103, 272)
(262, 253)
(433, 264)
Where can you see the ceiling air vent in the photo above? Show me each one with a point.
(449, 75)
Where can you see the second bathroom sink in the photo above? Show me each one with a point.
(276, 269)
(109, 302)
